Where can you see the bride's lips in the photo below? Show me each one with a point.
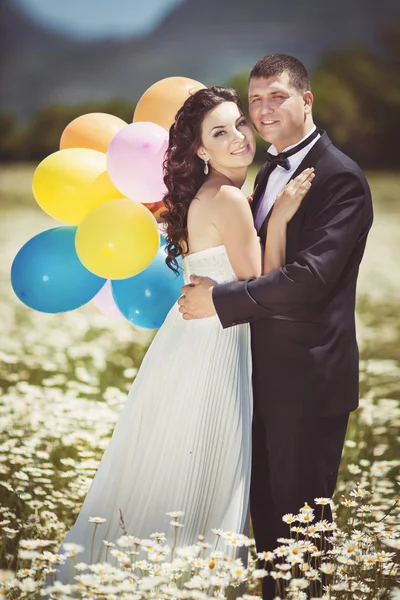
(241, 151)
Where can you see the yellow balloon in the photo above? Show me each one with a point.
(118, 239)
(69, 183)
(160, 102)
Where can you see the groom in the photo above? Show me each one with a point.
(305, 355)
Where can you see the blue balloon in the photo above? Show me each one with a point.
(163, 239)
(48, 276)
(146, 298)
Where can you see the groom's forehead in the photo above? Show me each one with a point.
(268, 85)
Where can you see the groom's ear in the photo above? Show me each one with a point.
(308, 99)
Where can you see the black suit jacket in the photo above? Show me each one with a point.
(305, 354)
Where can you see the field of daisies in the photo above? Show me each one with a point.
(63, 382)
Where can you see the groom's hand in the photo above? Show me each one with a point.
(196, 301)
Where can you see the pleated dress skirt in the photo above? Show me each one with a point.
(183, 439)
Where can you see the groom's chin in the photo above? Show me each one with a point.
(266, 135)
(267, 139)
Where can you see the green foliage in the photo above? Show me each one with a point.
(357, 100)
(10, 138)
(42, 134)
(239, 83)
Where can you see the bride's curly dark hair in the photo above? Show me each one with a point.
(183, 169)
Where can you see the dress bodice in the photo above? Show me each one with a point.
(210, 262)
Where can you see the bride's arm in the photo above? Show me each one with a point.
(286, 205)
(234, 221)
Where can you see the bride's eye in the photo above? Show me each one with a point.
(219, 133)
(243, 122)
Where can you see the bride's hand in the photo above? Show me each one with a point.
(289, 199)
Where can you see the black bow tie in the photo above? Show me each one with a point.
(281, 159)
(278, 160)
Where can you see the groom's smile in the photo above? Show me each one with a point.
(268, 123)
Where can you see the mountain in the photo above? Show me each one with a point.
(209, 40)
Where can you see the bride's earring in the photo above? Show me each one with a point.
(206, 166)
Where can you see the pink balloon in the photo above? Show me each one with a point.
(105, 302)
(134, 161)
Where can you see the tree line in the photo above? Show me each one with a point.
(357, 101)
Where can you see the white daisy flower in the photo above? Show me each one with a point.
(259, 573)
(97, 520)
(322, 501)
(33, 520)
(359, 493)
(218, 532)
(159, 537)
(176, 524)
(175, 514)
(348, 503)
(126, 541)
(299, 584)
(289, 518)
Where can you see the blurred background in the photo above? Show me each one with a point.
(63, 59)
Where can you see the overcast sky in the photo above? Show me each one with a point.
(98, 18)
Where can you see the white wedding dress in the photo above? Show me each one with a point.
(183, 438)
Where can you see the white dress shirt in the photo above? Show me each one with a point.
(280, 176)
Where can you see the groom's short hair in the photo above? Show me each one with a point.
(275, 64)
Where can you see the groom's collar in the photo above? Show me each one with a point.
(310, 159)
(272, 149)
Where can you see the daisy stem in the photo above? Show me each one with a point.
(71, 569)
(174, 546)
(388, 511)
(92, 546)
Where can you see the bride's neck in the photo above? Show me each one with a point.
(235, 177)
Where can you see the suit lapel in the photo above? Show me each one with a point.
(310, 160)
(260, 184)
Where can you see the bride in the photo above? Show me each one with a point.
(183, 439)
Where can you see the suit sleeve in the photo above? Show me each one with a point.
(332, 228)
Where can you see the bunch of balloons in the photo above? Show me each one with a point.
(106, 184)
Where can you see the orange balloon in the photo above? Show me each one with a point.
(160, 103)
(156, 208)
(93, 130)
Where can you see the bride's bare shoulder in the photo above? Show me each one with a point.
(216, 190)
(229, 193)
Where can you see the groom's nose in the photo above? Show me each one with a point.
(266, 108)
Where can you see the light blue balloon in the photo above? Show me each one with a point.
(146, 298)
(48, 276)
